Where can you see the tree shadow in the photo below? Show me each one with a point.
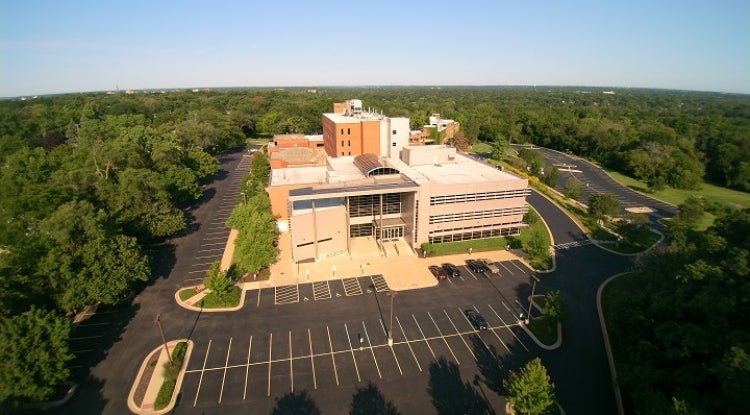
(451, 395)
(370, 401)
(88, 399)
(490, 365)
(295, 403)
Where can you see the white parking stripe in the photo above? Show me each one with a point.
(270, 350)
(506, 268)
(516, 265)
(369, 343)
(444, 339)
(424, 337)
(408, 344)
(291, 359)
(508, 327)
(396, 358)
(200, 379)
(330, 344)
(224, 376)
(349, 339)
(312, 361)
(460, 336)
(247, 368)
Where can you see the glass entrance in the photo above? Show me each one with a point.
(391, 233)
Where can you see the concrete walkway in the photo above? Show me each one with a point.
(156, 379)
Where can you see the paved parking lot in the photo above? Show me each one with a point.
(211, 246)
(263, 364)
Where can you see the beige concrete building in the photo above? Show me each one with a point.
(387, 190)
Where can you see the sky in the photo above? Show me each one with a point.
(65, 46)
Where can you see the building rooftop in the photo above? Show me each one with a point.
(348, 119)
(459, 169)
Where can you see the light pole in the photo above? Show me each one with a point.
(531, 299)
(333, 270)
(362, 267)
(163, 339)
(391, 294)
(244, 197)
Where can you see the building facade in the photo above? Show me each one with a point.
(375, 185)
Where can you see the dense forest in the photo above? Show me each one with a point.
(88, 182)
(679, 324)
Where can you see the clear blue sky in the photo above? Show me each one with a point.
(70, 46)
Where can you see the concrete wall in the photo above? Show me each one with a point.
(319, 232)
(400, 139)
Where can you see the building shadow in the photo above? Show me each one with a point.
(369, 400)
(450, 394)
(295, 403)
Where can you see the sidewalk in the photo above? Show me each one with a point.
(154, 372)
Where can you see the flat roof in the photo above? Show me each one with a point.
(298, 175)
(348, 119)
(461, 170)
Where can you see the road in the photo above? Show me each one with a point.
(308, 337)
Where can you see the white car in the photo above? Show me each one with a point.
(491, 266)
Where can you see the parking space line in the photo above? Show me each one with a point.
(286, 294)
(207, 256)
(408, 344)
(424, 337)
(203, 264)
(396, 358)
(312, 361)
(506, 268)
(382, 326)
(197, 271)
(291, 359)
(200, 379)
(516, 265)
(351, 349)
(258, 304)
(330, 344)
(270, 350)
(369, 343)
(508, 327)
(204, 250)
(472, 273)
(224, 376)
(459, 335)
(444, 339)
(247, 368)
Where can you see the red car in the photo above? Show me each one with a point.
(438, 272)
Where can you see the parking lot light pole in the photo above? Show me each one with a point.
(531, 299)
(391, 294)
(163, 339)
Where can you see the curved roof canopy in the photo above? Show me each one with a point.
(370, 165)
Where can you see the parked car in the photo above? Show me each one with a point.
(451, 270)
(476, 266)
(476, 319)
(438, 272)
(491, 266)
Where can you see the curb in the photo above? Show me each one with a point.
(607, 346)
(187, 306)
(538, 342)
(135, 408)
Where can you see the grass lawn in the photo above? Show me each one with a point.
(462, 247)
(544, 328)
(637, 241)
(481, 148)
(232, 299)
(186, 293)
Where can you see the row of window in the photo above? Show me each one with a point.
(348, 132)
(481, 214)
(369, 205)
(348, 143)
(475, 197)
(469, 235)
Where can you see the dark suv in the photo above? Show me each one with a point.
(476, 266)
(451, 269)
(476, 319)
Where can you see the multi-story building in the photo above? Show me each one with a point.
(374, 185)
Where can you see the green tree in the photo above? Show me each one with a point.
(690, 212)
(534, 159)
(218, 281)
(573, 188)
(530, 390)
(603, 204)
(552, 174)
(255, 246)
(555, 306)
(33, 357)
(499, 145)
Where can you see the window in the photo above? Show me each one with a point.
(342, 131)
(394, 132)
(350, 153)
(394, 144)
(342, 143)
(349, 142)
(348, 131)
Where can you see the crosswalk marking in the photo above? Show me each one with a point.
(286, 294)
(573, 244)
(351, 286)
(380, 284)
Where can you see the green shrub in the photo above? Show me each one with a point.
(165, 394)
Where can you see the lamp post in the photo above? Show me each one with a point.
(362, 267)
(244, 197)
(531, 299)
(333, 270)
(391, 294)
(163, 339)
